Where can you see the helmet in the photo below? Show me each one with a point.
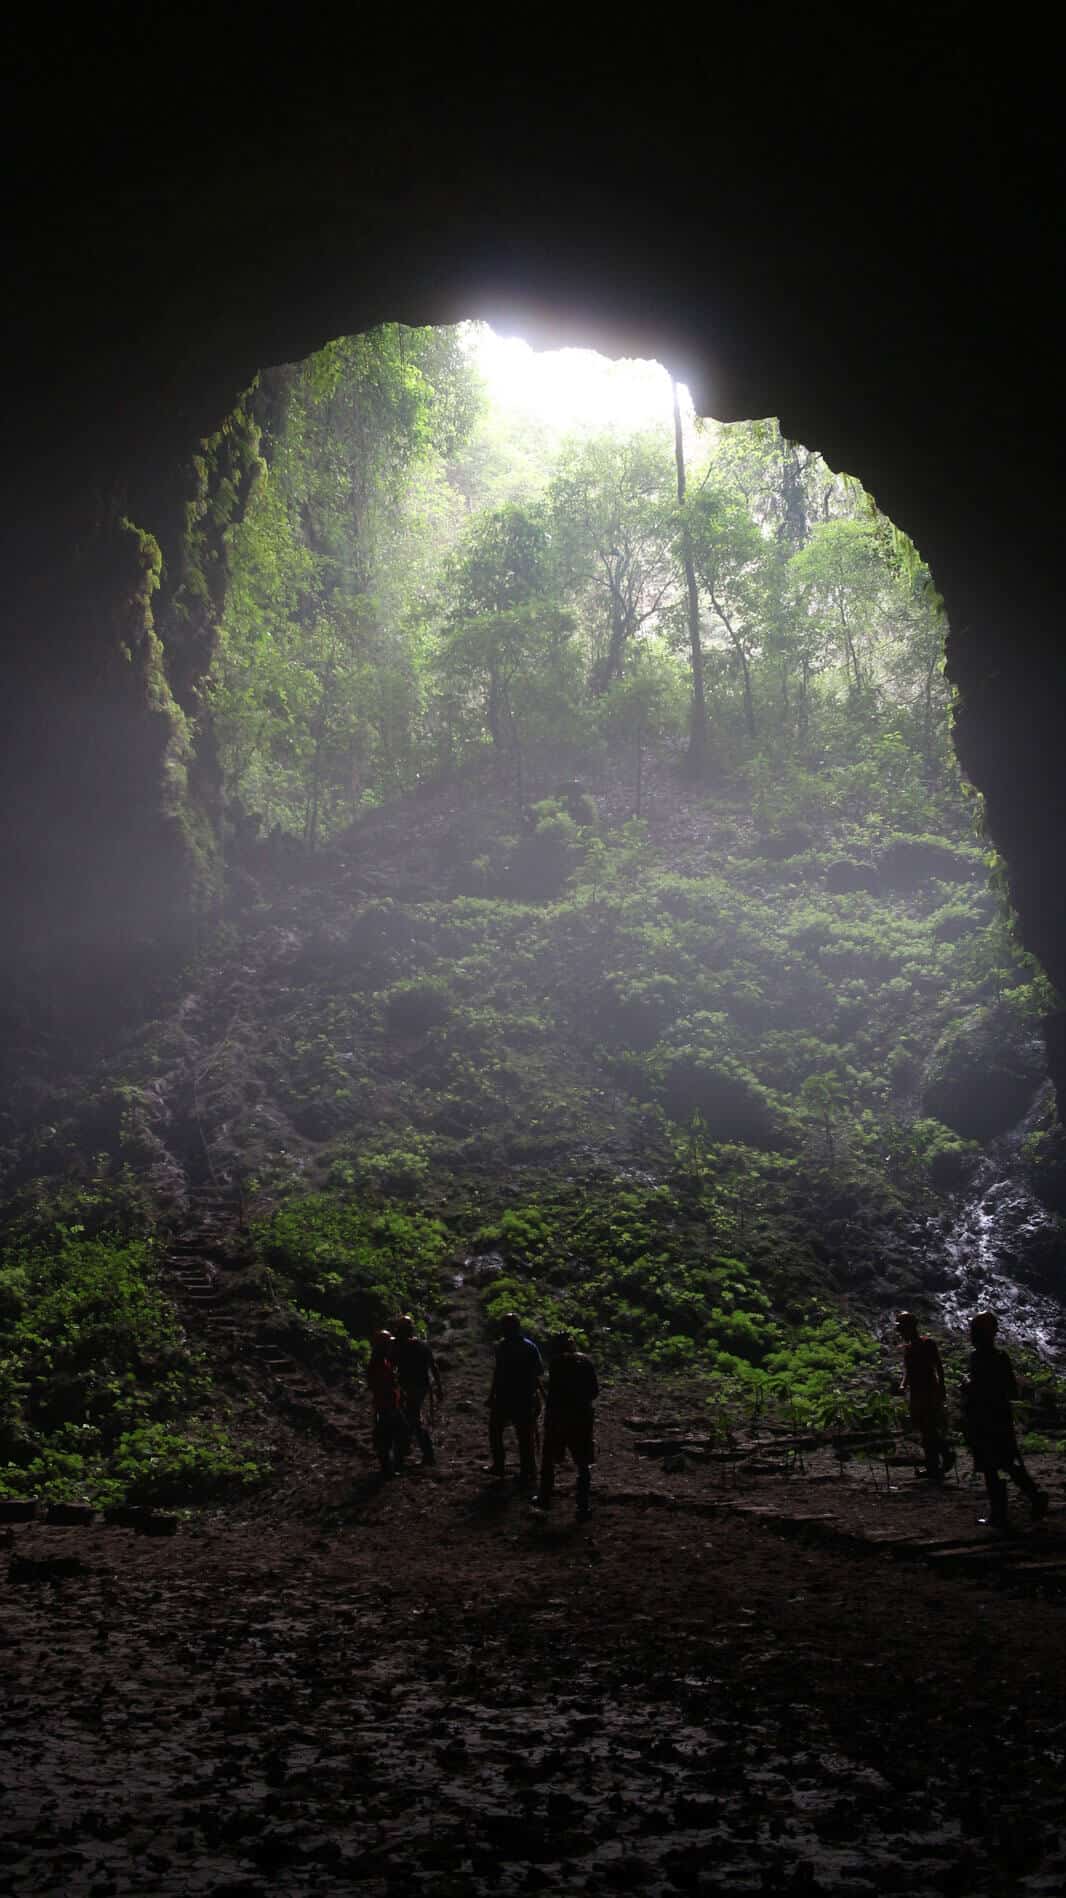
(382, 1338)
(404, 1325)
(906, 1321)
(510, 1321)
(984, 1324)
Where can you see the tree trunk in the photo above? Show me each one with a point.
(495, 728)
(640, 774)
(749, 701)
(610, 667)
(698, 745)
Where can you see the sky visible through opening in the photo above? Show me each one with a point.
(575, 388)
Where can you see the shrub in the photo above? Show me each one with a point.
(547, 855)
(983, 1073)
(350, 1261)
(733, 1104)
(845, 875)
(906, 861)
(162, 1466)
(413, 1008)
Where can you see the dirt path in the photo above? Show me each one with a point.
(416, 1686)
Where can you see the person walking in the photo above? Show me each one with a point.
(390, 1436)
(514, 1399)
(417, 1375)
(923, 1382)
(573, 1388)
(988, 1424)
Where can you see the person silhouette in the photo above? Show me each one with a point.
(573, 1388)
(416, 1375)
(514, 1398)
(923, 1381)
(988, 1424)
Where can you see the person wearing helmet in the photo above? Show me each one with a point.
(416, 1375)
(988, 1424)
(390, 1436)
(573, 1388)
(514, 1399)
(923, 1381)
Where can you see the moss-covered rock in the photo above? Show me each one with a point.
(846, 875)
(790, 841)
(983, 1072)
(907, 862)
(729, 1101)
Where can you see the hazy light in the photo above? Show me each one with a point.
(574, 388)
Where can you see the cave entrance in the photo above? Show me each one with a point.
(460, 552)
(476, 601)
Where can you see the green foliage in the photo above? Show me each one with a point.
(984, 1070)
(99, 1391)
(411, 1008)
(157, 1465)
(352, 1262)
(319, 679)
(640, 1271)
(398, 600)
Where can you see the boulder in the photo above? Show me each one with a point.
(846, 874)
(908, 861)
(788, 842)
(983, 1073)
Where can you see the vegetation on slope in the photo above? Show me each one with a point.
(692, 1062)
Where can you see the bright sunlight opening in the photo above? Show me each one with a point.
(573, 388)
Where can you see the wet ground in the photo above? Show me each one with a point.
(418, 1686)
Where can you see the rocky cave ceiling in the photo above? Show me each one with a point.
(850, 224)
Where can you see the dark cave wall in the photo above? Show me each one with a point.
(786, 242)
(111, 852)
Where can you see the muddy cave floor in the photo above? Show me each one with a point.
(422, 1687)
(783, 1685)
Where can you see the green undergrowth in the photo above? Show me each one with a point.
(643, 1277)
(101, 1395)
(412, 1040)
(343, 1268)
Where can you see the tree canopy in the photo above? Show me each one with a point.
(420, 582)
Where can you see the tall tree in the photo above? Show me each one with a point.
(315, 690)
(731, 560)
(505, 657)
(698, 737)
(613, 523)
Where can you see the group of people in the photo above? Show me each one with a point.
(987, 1418)
(551, 1412)
(517, 1396)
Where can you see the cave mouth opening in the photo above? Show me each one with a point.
(714, 588)
(478, 599)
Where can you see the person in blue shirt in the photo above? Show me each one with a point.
(514, 1400)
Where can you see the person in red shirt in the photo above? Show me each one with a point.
(391, 1435)
(923, 1381)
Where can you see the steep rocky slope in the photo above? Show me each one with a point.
(680, 1084)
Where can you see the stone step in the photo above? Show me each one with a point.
(17, 1508)
(70, 1515)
